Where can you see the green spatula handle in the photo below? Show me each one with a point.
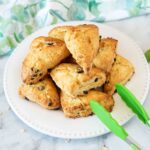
(148, 123)
(134, 145)
(112, 124)
(129, 98)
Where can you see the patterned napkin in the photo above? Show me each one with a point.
(19, 18)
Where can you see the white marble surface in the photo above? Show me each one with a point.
(15, 135)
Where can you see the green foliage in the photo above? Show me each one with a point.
(76, 12)
(22, 19)
(7, 44)
(56, 14)
(147, 55)
(19, 13)
(54, 20)
(98, 19)
(81, 3)
(28, 29)
(4, 23)
(134, 7)
(93, 7)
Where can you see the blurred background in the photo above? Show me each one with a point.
(19, 18)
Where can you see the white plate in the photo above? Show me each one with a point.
(54, 123)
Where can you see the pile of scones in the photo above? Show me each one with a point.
(71, 66)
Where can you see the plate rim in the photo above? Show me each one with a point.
(71, 136)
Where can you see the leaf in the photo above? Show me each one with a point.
(11, 42)
(32, 10)
(1, 34)
(35, 7)
(1, 18)
(134, 11)
(42, 3)
(76, 12)
(19, 13)
(3, 1)
(134, 7)
(4, 23)
(20, 35)
(28, 29)
(54, 20)
(56, 14)
(6, 45)
(7, 41)
(133, 3)
(98, 19)
(147, 55)
(16, 37)
(3, 42)
(81, 3)
(93, 7)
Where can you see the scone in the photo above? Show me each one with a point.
(69, 59)
(107, 52)
(122, 70)
(79, 106)
(45, 53)
(71, 79)
(59, 32)
(83, 43)
(43, 93)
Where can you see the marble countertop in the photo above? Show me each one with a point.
(16, 135)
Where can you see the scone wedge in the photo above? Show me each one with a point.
(45, 53)
(122, 70)
(59, 32)
(83, 43)
(43, 93)
(71, 79)
(80, 106)
(106, 55)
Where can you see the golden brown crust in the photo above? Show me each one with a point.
(45, 53)
(72, 80)
(59, 32)
(122, 70)
(43, 93)
(70, 60)
(107, 52)
(83, 43)
(80, 63)
(79, 106)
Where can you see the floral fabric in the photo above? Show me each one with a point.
(19, 18)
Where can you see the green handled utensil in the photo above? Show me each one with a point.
(133, 103)
(112, 124)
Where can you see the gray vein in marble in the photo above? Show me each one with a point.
(1, 90)
(36, 144)
(1, 123)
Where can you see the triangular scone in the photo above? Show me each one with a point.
(45, 53)
(71, 79)
(80, 105)
(59, 32)
(107, 52)
(122, 70)
(43, 93)
(83, 43)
